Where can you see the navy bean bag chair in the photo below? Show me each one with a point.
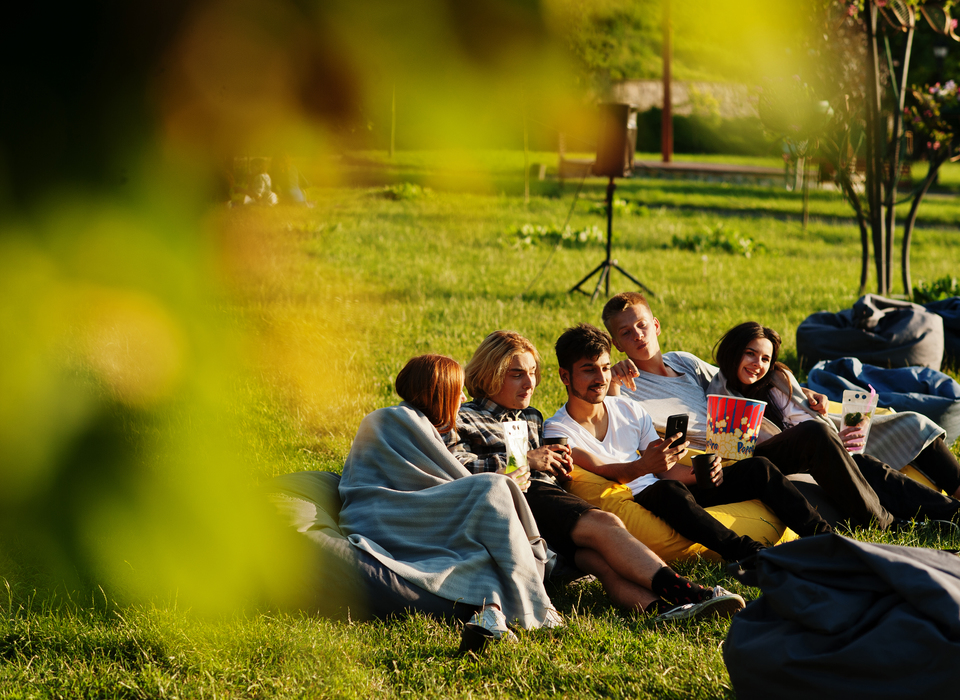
(949, 311)
(842, 619)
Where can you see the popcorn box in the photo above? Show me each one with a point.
(733, 425)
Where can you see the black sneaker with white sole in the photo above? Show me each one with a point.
(721, 604)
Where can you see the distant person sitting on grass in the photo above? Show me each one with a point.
(260, 190)
(606, 432)
(498, 431)
(287, 180)
(463, 537)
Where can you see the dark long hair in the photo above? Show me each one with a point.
(728, 353)
(433, 384)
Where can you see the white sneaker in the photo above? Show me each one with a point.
(722, 603)
(553, 621)
(492, 619)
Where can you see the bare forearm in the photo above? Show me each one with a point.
(681, 473)
(621, 472)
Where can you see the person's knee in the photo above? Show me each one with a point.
(595, 527)
(762, 466)
(672, 493)
(816, 430)
(600, 520)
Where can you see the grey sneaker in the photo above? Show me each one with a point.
(722, 603)
(493, 620)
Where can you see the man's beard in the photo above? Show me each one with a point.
(591, 400)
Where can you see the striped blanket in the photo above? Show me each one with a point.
(463, 537)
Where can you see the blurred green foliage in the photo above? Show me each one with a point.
(942, 288)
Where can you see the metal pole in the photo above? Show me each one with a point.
(611, 186)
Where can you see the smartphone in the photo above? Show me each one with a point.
(677, 423)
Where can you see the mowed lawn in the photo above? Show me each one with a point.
(333, 301)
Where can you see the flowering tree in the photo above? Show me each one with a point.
(885, 149)
(866, 87)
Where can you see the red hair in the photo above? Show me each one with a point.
(433, 384)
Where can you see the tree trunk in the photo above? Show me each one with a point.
(875, 144)
(847, 186)
(935, 164)
(894, 160)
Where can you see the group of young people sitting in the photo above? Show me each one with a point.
(432, 487)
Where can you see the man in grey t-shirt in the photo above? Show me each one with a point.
(677, 383)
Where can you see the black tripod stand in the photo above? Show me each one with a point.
(604, 267)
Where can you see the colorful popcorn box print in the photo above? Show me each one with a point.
(733, 425)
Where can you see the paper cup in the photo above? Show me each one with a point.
(733, 425)
(702, 464)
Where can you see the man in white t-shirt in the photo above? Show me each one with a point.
(606, 434)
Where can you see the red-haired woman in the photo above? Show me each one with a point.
(409, 503)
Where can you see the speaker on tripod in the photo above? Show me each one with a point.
(616, 146)
(617, 141)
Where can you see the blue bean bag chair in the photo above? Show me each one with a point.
(926, 391)
(842, 619)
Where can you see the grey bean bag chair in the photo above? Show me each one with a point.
(842, 619)
(876, 331)
(334, 578)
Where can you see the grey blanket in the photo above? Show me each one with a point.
(895, 438)
(463, 537)
(845, 619)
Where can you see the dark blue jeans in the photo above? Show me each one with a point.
(682, 506)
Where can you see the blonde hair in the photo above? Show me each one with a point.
(621, 302)
(487, 368)
(433, 384)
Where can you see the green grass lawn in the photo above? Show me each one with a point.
(501, 172)
(331, 302)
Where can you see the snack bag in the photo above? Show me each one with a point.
(515, 438)
(858, 409)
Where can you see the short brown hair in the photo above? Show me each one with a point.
(433, 384)
(621, 302)
(488, 367)
(581, 341)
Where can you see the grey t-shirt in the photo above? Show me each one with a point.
(664, 396)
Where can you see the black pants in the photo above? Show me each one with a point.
(812, 447)
(940, 466)
(903, 496)
(682, 506)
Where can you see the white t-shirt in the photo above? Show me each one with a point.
(791, 412)
(629, 429)
(664, 396)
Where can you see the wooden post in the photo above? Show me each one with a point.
(393, 120)
(666, 115)
(526, 157)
